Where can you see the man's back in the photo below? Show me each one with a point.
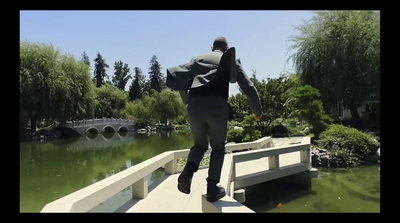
(209, 58)
(219, 86)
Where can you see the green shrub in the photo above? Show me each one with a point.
(256, 134)
(288, 127)
(278, 130)
(235, 135)
(342, 137)
(296, 127)
(343, 158)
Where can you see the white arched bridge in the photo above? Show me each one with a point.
(101, 125)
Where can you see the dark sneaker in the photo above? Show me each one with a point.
(184, 183)
(214, 193)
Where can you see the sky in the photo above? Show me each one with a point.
(261, 37)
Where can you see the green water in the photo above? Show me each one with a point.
(353, 190)
(51, 170)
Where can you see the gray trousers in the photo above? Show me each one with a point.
(208, 117)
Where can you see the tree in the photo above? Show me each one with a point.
(250, 132)
(167, 106)
(142, 109)
(110, 102)
(273, 93)
(338, 52)
(121, 75)
(100, 70)
(137, 87)
(38, 68)
(85, 58)
(53, 86)
(306, 105)
(156, 78)
(75, 97)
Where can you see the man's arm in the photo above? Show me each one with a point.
(249, 89)
(184, 96)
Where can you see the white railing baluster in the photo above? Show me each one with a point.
(140, 188)
(273, 162)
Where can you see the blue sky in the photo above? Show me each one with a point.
(134, 36)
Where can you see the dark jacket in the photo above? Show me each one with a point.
(205, 70)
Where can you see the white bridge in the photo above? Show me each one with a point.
(265, 159)
(101, 125)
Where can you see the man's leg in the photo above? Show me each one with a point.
(198, 128)
(217, 120)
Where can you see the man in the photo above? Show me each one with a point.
(204, 86)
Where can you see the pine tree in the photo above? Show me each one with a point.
(155, 75)
(99, 70)
(137, 87)
(85, 58)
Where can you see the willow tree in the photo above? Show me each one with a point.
(167, 106)
(53, 86)
(38, 68)
(110, 101)
(75, 96)
(338, 52)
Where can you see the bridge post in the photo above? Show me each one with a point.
(171, 167)
(305, 155)
(140, 189)
(273, 162)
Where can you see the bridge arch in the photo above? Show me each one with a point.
(91, 137)
(108, 129)
(108, 135)
(123, 129)
(122, 134)
(92, 130)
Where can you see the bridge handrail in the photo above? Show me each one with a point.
(88, 197)
(97, 121)
(228, 174)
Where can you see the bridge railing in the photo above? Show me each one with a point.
(231, 182)
(87, 198)
(97, 121)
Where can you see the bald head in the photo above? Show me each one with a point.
(220, 43)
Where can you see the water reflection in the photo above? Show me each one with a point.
(50, 170)
(336, 190)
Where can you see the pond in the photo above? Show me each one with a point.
(50, 170)
(336, 190)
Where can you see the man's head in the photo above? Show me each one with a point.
(220, 43)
